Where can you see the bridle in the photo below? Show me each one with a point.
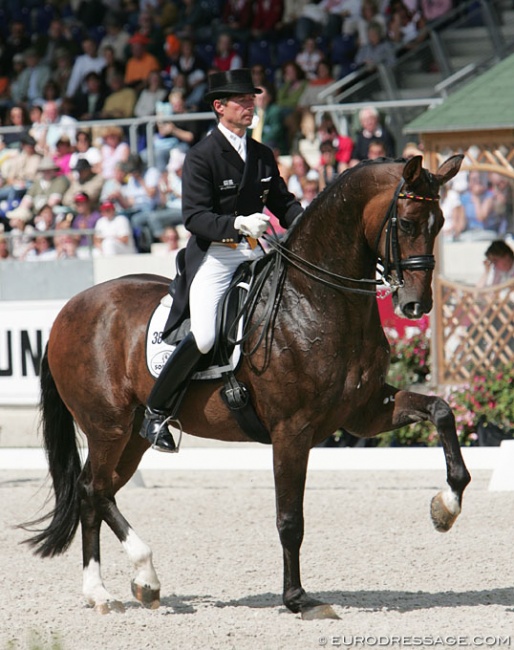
(392, 259)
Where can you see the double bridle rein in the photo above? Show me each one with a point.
(392, 259)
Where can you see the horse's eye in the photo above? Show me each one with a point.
(407, 226)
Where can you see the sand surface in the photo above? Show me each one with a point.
(369, 549)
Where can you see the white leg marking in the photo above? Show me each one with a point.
(140, 555)
(92, 585)
(451, 502)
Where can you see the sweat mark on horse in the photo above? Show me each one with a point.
(326, 367)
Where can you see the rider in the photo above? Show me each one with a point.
(227, 180)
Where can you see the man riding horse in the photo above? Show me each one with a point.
(228, 178)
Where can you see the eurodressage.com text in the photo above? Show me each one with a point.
(427, 641)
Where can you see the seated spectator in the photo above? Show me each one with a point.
(182, 134)
(188, 64)
(18, 172)
(47, 188)
(289, 91)
(371, 129)
(33, 78)
(85, 218)
(89, 103)
(329, 167)
(370, 12)
(112, 189)
(327, 130)
(153, 92)
(12, 93)
(226, 56)
(120, 101)
(266, 20)
(84, 180)
(114, 149)
(498, 264)
(85, 149)
(112, 66)
(298, 174)
(309, 57)
(141, 191)
(269, 125)
(140, 63)
(63, 153)
(45, 219)
(405, 27)
(377, 50)
(502, 211)
(62, 68)
(113, 232)
(54, 124)
(310, 188)
(310, 97)
(149, 27)
(195, 20)
(17, 116)
(42, 249)
(21, 231)
(89, 61)
(5, 249)
(171, 239)
(236, 18)
(116, 37)
(376, 149)
(450, 202)
(473, 216)
(66, 244)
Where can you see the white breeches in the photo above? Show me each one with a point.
(208, 286)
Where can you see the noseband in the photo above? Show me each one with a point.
(392, 246)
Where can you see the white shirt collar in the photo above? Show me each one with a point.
(238, 143)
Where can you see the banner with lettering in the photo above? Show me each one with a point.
(24, 330)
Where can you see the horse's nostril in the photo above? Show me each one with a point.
(413, 310)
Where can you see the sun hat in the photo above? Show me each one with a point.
(47, 164)
(231, 82)
(20, 213)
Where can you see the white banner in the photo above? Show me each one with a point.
(24, 330)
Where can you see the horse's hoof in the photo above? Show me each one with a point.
(443, 513)
(149, 598)
(317, 612)
(110, 606)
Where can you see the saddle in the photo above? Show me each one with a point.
(232, 311)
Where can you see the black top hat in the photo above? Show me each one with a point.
(232, 82)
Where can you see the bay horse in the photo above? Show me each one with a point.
(325, 366)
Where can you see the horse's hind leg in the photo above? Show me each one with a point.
(98, 504)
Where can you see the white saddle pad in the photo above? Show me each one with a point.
(158, 351)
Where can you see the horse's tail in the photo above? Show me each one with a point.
(64, 463)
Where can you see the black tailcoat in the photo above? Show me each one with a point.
(217, 186)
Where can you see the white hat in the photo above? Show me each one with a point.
(19, 213)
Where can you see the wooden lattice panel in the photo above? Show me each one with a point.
(475, 329)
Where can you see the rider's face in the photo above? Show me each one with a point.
(236, 112)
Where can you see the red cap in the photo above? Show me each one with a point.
(81, 197)
(107, 205)
(139, 38)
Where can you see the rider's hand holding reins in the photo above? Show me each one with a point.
(254, 225)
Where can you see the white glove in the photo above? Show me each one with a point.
(253, 225)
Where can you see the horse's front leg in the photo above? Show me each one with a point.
(405, 407)
(290, 469)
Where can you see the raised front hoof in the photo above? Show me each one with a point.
(109, 606)
(149, 598)
(318, 612)
(443, 513)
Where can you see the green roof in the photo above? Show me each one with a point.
(486, 103)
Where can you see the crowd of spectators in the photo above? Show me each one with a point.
(67, 62)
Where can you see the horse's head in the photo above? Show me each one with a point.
(406, 240)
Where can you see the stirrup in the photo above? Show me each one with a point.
(163, 424)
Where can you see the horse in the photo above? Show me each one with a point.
(322, 365)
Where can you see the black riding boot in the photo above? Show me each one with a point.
(177, 371)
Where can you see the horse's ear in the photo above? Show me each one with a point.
(448, 169)
(412, 170)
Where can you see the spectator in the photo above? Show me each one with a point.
(52, 43)
(13, 93)
(298, 174)
(113, 233)
(62, 69)
(371, 129)
(329, 167)
(66, 244)
(195, 20)
(473, 217)
(450, 202)
(5, 252)
(17, 116)
(405, 27)
(89, 103)
(112, 66)
(309, 98)
(63, 153)
(89, 61)
(55, 123)
(377, 50)
(170, 134)
(309, 57)
(21, 231)
(287, 25)
(41, 250)
(171, 240)
(289, 92)
(85, 149)
(85, 181)
(150, 28)
(112, 189)
(84, 219)
(120, 101)
(370, 12)
(226, 56)
(310, 188)
(140, 63)
(153, 92)
(192, 67)
(376, 149)
(19, 172)
(498, 264)
(44, 219)
(338, 13)
(17, 40)
(502, 211)
(116, 37)
(327, 130)
(114, 149)
(266, 20)
(269, 126)
(235, 22)
(47, 188)
(33, 78)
